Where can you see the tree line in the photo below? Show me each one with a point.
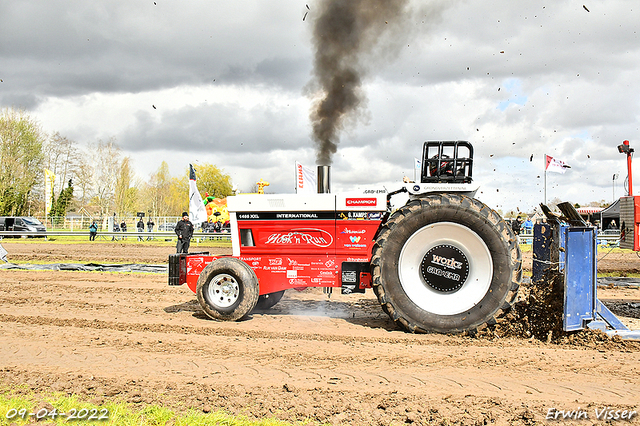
(99, 180)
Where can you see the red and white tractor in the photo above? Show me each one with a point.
(443, 262)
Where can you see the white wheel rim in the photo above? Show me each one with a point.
(223, 291)
(468, 242)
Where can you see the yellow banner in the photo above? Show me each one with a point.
(49, 180)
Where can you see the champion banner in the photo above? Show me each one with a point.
(556, 166)
(49, 180)
(306, 180)
(197, 210)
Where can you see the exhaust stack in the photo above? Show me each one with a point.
(324, 179)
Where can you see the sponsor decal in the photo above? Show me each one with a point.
(359, 202)
(353, 215)
(442, 273)
(275, 261)
(445, 268)
(349, 276)
(274, 268)
(194, 262)
(329, 263)
(355, 239)
(297, 216)
(353, 231)
(447, 263)
(321, 215)
(306, 236)
(292, 273)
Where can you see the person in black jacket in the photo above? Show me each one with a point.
(140, 228)
(184, 231)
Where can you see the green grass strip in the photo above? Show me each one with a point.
(16, 410)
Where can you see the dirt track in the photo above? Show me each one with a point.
(131, 337)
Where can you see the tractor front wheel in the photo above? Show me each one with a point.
(227, 289)
(445, 263)
(268, 301)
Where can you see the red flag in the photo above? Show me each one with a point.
(555, 165)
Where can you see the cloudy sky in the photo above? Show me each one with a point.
(233, 83)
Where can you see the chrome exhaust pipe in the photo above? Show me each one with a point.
(324, 179)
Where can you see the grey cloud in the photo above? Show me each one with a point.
(216, 128)
(58, 48)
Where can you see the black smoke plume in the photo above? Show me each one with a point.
(345, 34)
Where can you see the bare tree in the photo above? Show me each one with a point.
(106, 165)
(126, 191)
(83, 182)
(62, 158)
(156, 192)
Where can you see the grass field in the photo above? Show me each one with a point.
(58, 409)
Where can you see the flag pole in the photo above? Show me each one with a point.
(545, 179)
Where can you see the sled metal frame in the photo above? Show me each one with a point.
(573, 247)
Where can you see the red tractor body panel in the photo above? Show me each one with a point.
(296, 241)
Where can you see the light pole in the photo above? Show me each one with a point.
(624, 148)
(613, 187)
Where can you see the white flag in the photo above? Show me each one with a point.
(306, 180)
(197, 210)
(556, 166)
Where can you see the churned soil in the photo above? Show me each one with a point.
(338, 360)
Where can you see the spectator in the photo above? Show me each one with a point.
(93, 231)
(150, 226)
(184, 231)
(515, 225)
(528, 226)
(140, 227)
(123, 228)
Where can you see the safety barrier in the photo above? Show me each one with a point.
(129, 235)
(602, 239)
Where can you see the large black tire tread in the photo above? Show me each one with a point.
(268, 301)
(247, 283)
(502, 244)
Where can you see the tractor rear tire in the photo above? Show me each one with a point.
(227, 289)
(268, 301)
(445, 263)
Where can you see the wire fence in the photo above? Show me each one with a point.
(75, 223)
(117, 236)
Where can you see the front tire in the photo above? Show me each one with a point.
(227, 289)
(445, 263)
(268, 301)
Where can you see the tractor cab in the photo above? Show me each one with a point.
(447, 162)
(446, 166)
